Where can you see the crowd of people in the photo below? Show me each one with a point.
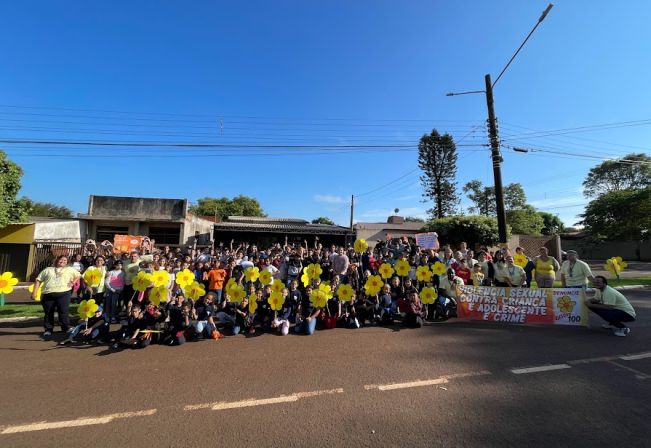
(302, 289)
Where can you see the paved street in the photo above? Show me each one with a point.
(448, 384)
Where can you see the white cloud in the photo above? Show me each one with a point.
(330, 199)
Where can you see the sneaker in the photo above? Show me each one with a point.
(622, 332)
(65, 341)
(607, 326)
(47, 334)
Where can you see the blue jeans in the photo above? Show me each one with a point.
(75, 331)
(228, 319)
(111, 304)
(306, 327)
(203, 325)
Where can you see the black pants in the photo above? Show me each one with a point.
(613, 317)
(127, 294)
(413, 321)
(59, 301)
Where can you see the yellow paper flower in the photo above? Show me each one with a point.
(345, 293)
(326, 289)
(520, 260)
(142, 281)
(38, 293)
(439, 268)
(93, 277)
(386, 271)
(194, 290)
(160, 278)
(428, 295)
(230, 284)
(277, 286)
(423, 274)
(373, 285)
(402, 268)
(184, 278)
(7, 283)
(318, 298)
(252, 274)
(158, 294)
(360, 246)
(265, 277)
(565, 304)
(236, 294)
(615, 265)
(253, 305)
(87, 308)
(313, 271)
(276, 300)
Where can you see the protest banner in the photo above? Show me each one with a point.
(428, 240)
(552, 306)
(126, 243)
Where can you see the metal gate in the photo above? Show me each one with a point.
(45, 253)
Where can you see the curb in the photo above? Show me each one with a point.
(10, 320)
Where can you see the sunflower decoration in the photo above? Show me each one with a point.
(87, 308)
(565, 304)
(185, 278)
(318, 298)
(276, 301)
(93, 277)
(428, 295)
(520, 260)
(236, 294)
(439, 268)
(326, 289)
(373, 285)
(423, 274)
(313, 271)
(277, 286)
(230, 284)
(252, 274)
(160, 278)
(142, 281)
(360, 246)
(253, 305)
(305, 278)
(7, 283)
(265, 277)
(615, 265)
(158, 294)
(38, 293)
(402, 268)
(345, 293)
(386, 271)
(194, 290)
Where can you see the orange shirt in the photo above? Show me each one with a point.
(216, 278)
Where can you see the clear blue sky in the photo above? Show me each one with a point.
(316, 73)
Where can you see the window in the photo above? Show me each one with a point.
(108, 232)
(165, 235)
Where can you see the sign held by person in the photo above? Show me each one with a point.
(428, 240)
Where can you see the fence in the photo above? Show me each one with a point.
(45, 253)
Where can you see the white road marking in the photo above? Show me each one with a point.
(83, 421)
(541, 368)
(591, 360)
(636, 356)
(223, 405)
(639, 375)
(421, 383)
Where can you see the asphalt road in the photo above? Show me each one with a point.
(448, 384)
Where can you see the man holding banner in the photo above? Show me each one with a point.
(611, 306)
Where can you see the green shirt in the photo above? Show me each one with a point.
(576, 275)
(57, 279)
(610, 296)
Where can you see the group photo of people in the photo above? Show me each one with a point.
(171, 296)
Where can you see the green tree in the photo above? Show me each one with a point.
(620, 215)
(223, 207)
(414, 219)
(323, 220)
(45, 209)
(437, 158)
(471, 229)
(483, 197)
(525, 221)
(12, 209)
(630, 172)
(552, 224)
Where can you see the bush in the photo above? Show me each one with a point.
(471, 229)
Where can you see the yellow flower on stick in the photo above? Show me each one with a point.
(160, 278)
(520, 260)
(345, 293)
(253, 305)
(428, 295)
(87, 308)
(184, 278)
(252, 274)
(565, 304)
(276, 301)
(7, 283)
(158, 294)
(373, 285)
(142, 281)
(386, 271)
(194, 290)
(305, 279)
(265, 277)
(439, 268)
(236, 294)
(277, 286)
(615, 265)
(326, 289)
(423, 274)
(318, 298)
(402, 268)
(38, 293)
(230, 284)
(93, 277)
(360, 246)
(313, 271)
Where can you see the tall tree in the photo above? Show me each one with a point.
(620, 215)
(525, 221)
(552, 224)
(630, 172)
(12, 209)
(437, 158)
(45, 209)
(323, 220)
(223, 207)
(483, 197)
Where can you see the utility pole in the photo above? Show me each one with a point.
(352, 209)
(497, 162)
